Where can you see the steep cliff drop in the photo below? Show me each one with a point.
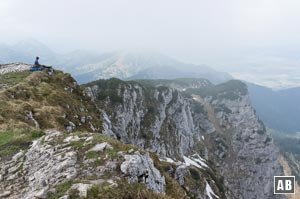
(183, 138)
(217, 122)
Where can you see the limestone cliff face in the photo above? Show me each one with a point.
(217, 122)
(241, 148)
(209, 142)
(157, 119)
(76, 162)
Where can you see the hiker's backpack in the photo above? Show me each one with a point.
(36, 69)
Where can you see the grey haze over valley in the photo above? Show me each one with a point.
(256, 41)
(278, 109)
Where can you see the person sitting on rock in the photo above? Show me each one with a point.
(36, 63)
(37, 66)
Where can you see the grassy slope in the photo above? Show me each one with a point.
(13, 140)
(53, 100)
(228, 90)
(184, 82)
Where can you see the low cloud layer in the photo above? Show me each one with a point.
(219, 33)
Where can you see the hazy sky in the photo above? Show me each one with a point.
(214, 32)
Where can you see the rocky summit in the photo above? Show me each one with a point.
(144, 139)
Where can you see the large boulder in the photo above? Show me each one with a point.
(140, 168)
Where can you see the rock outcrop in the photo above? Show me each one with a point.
(55, 159)
(159, 120)
(14, 67)
(209, 141)
(139, 168)
(216, 121)
(30, 174)
(240, 146)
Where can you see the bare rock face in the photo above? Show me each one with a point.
(14, 67)
(217, 120)
(30, 174)
(256, 153)
(101, 147)
(216, 123)
(46, 166)
(159, 120)
(53, 160)
(82, 188)
(240, 147)
(180, 173)
(140, 168)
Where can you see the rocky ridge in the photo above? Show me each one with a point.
(216, 121)
(51, 158)
(57, 158)
(194, 140)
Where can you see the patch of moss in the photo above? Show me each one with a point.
(108, 89)
(183, 82)
(92, 155)
(74, 194)
(194, 173)
(197, 107)
(11, 141)
(112, 153)
(13, 78)
(99, 161)
(123, 191)
(231, 90)
(60, 190)
(173, 189)
(78, 144)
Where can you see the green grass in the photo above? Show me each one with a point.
(13, 140)
(14, 77)
(229, 90)
(112, 83)
(60, 190)
(46, 97)
(123, 191)
(91, 155)
(184, 82)
(108, 89)
(78, 144)
(99, 161)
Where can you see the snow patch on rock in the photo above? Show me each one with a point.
(210, 192)
(101, 147)
(190, 162)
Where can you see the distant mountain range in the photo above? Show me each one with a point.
(26, 51)
(279, 110)
(130, 66)
(88, 66)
